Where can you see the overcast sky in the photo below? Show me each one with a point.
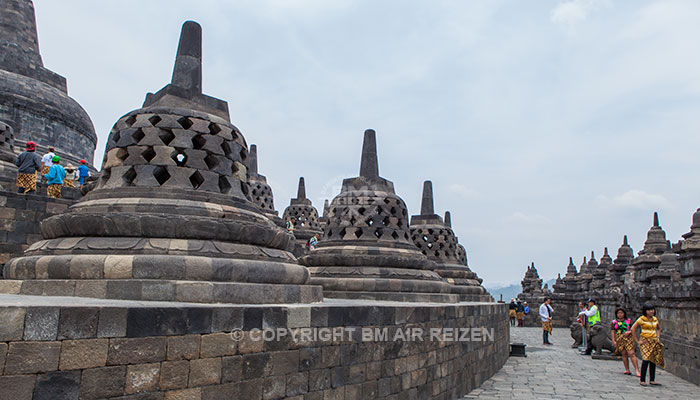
(548, 128)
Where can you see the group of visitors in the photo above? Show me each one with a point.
(517, 312)
(624, 337)
(311, 243)
(30, 165)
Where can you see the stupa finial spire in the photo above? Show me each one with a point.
(253, 159)
(426, 205)
(369, 166)
(187, 73)
(301, 190)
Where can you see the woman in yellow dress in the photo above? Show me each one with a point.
(649, 343)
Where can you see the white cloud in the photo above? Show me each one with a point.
(636, 199)
(570, 13)
(529, 219)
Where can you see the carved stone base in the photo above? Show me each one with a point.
(189, 291)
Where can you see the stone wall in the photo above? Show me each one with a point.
(20, 216)
(101, 349)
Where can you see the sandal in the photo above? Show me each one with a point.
(628, 373)
(643, 383)
(654, 384)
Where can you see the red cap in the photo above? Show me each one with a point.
(31, 145)
(83, 162)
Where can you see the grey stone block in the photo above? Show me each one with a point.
(78, 323)
(57, 385)
(12, 326)
(41, 323)
(20, 387)
(112, 322)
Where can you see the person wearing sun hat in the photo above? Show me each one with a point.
(28, 163)
(83, 172)
(55, 178)
(71, 176)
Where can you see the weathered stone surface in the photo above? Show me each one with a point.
(142, 378)
(174, 374)
(57, 385)
(183, 347)
(41, 324)
(78, 323)
(20, 387)
(217, 345)
(137, 350)
(12, 327)
(112, 322)
(83, 354)
(206, 371)
(103, 382)
(184, 394)
(32, 357)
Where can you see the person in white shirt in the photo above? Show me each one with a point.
(593, 317)
(47, 161)
(546, 317)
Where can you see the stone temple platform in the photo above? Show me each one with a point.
(78, 348)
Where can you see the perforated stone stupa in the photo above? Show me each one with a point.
(366, 251)
(260, 191)
(304, 213)
(170, 218)
(438, 242)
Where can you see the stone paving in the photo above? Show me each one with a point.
(560, 372)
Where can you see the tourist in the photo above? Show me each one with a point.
(71, 176)
(649, 344)
(526, 308)
(593, 315)
(290, 225)
(47, 161)
(512, 313)
(83, 172)
(622, 340)
(313, 242)
(28, 163)
(546, 316)
(55, 178)
(520, 313)
(583, 320)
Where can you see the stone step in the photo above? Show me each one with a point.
(394, 296)
(167, 290)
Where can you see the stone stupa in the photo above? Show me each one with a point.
(306, 218)
(366, 251)
(170, 218)
(260, 191)
(435, 238)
